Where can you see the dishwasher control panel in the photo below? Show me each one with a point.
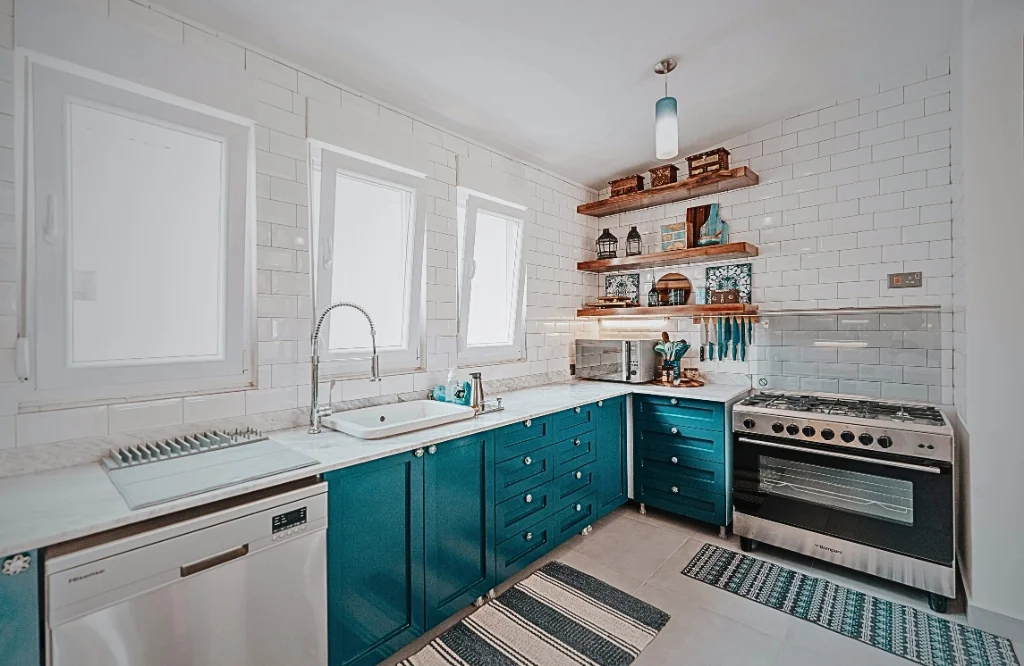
(285, 521)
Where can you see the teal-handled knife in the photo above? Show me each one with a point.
(737, 337)
(719, 332)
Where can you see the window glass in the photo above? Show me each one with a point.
(494, 298)
(371, 242)
(147, 237)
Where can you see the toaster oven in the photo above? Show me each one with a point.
(633, 361)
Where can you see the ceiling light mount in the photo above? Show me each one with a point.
(665, 66)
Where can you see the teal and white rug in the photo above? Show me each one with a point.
(901, 630)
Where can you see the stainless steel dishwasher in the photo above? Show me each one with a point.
(239, 582)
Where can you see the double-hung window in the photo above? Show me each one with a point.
(492, 281)
(141, 208)
(369, 218)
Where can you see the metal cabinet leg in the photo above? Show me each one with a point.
(722, 532)
(643, 509)
(478, 602)
(491, 594)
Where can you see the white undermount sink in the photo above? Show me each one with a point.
(395, 419)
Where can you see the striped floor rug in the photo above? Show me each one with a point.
(557, 616)
(901, 630)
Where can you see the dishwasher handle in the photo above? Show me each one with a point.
(214, 560)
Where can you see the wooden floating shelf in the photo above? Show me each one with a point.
(670, 311)
(691, 188)
(693, 255)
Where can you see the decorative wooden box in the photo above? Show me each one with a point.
(627, 185)
(725, 297)
(664, 175)
(709, 162)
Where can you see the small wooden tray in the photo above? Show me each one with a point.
(685, 383)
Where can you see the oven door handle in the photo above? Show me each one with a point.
(844, 456)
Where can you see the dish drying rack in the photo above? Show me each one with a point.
(178, 447)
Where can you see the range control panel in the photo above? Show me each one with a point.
(286, 521)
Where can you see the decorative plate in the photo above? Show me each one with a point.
(627, 285)
(733, 276)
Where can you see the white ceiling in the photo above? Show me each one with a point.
(568, 84)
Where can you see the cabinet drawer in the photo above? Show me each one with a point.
(524, 509)
(574, 452)
(525, 546)
(687, 473)
(523, 472)
(575, 517)
(577, 417)
(574, 484)
(679, 411)
(680, 440)
(680, 498)
(523, 437)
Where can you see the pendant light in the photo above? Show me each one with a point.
(666, 117)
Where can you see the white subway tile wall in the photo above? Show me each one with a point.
(556, 241)
(849, 193)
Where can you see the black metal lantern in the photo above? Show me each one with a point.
(634, 243)
(607, 245)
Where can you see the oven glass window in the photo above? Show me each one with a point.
(853, 492)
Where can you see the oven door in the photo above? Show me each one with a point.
(892, 503)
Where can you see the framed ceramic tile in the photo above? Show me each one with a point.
(733, 276)
(627, 285)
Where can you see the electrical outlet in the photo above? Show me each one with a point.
(906, 280)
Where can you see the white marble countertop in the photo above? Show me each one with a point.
(50, 507)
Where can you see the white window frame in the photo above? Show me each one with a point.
(354, 363)
(51, 87)
(516, 351)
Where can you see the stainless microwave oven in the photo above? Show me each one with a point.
(633, 361)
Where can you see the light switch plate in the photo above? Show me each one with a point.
(906, 280)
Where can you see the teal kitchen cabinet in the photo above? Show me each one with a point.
(612, 472)
(375, 559)
(682, 457)
(20, 618)
(458, 519)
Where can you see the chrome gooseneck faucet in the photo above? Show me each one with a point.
(316, 412)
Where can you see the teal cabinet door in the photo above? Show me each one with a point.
(458, 488)
(612, 474)
(20, 620)
(375, 579)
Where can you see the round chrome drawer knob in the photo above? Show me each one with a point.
(600, 403)
(577, 410)
(527, 460)
(576, 443)
(528, 536)
(675, 431)
(675, 489)
(579, 507)
(674, 460)
(418, 453)
(432, 450)
(675, 401)
(528, 498)
(527, 423)
(579, 475)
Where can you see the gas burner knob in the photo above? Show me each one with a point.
(792, 429)
(884, 441)
(777, 427)
(808, 431)
(827, 433)
(865, 438)
(748, 424)
(847, 436)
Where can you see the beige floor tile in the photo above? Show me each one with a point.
(659, 518)
(587, 565)
(696, 636)
(629, 546)
(806, 637)
(757, 616)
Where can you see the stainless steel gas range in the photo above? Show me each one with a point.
(862, 483)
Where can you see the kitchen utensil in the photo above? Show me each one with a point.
(703, 338)
(727, 337)
(736, 337)
(743, 340)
